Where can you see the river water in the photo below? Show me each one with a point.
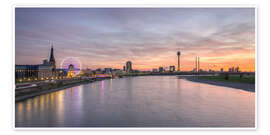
(147, 101)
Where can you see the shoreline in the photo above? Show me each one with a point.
(21, 98)
(24, 97)
(236, 85)
(241, 86)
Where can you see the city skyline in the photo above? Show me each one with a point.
(150, 38)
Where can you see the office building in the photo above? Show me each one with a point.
(128, 66)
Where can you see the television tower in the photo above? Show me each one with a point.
(178, 55)
(197, 63)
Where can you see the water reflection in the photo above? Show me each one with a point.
(20, 112)
(102, 92)
(60, 113)
(140, 101)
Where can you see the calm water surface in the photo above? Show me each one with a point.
(150, 101)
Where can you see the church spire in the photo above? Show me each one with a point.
(52, 60)
(52, 55)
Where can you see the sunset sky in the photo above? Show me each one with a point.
(149, 37)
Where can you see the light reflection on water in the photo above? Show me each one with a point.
(102, 92)
(140, 101)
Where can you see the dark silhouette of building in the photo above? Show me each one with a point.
(237, 69)
(108, 70)
(161, 69)
(232, 69)
(221, 70)
(172, 68)
(128, 66)
(154, 70)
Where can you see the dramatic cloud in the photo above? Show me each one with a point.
(149, 37)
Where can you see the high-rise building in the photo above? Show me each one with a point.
(154, 70)
(128, 66)
(221, 70)
(237, 69)
(161, 69)
(172, 68)
(178, 56)
(108, 70)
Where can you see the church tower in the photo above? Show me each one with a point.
(52, 60)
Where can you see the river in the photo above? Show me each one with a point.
(146, 101)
